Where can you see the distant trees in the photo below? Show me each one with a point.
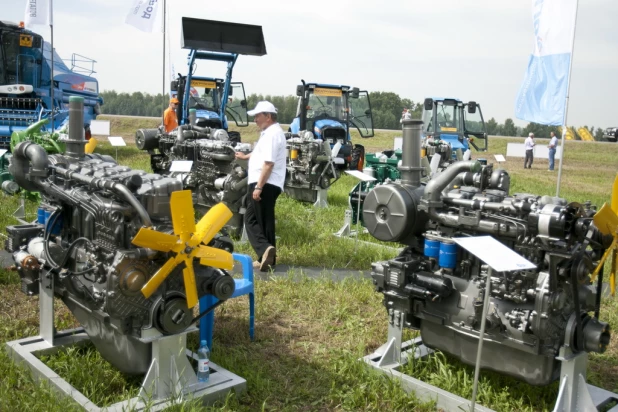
(386, 108)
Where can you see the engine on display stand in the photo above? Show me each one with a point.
(310, 168)
(437, 287)
(214, 176)
(118, 246)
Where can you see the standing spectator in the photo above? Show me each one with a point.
(170, 120)
(265, 184)
(553, 143)
(405, 115)
(529, 144)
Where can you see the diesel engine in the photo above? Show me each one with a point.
(310, 167)
(85, 237)
(215, 175)
(438, 288)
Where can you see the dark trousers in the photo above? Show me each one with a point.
(529, 157)
(260, 218)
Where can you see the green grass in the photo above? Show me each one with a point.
(310, 333)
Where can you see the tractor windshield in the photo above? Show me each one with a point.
(447, 118)
(19, 53)
(326, 103)
(204, 95)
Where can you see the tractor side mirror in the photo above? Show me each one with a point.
(428, 104)
(355, 93)
(300, 90)
(243, 104)
(174, 85)
(368, 112)
(471, 107)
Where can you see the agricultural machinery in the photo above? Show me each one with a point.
(202, 137)
(537, 318)
(120, 247)
(328, 111)
(459, 124)
(26, 84)
(611, 134)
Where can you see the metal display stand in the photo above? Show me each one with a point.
(575, 394)
(170, 378)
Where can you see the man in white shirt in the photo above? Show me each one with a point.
(265, 184)
(529, 144)
(553, 143)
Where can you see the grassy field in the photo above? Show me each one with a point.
(310, 333)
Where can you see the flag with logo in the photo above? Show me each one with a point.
(542, 95)
(38, 12)
(143, 15)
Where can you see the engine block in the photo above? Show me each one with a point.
(438, 287)
(90, 212)
(216, 176)
(310, 167)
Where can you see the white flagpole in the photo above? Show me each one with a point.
(566, 101)
(51, 27)
(163, 67)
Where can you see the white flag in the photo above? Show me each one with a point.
(38, 12)
(143, 14)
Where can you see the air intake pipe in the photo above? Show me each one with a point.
(75, 146)
(410, 167)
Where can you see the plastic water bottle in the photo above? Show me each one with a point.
(203, 370)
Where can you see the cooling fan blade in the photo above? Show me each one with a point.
(186, 243)
(183, 214)
(606, 220)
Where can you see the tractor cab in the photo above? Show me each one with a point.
(455, 122)
(214, 99)
(206, 97)
(328, 111)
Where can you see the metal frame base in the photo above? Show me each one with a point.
(321, 198)
(575, 394)
(169, 380)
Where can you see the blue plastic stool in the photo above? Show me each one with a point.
(243, 286)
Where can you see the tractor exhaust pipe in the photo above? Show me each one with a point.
(411, 168)
(75, 146)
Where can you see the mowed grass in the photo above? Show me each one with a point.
(310, 332)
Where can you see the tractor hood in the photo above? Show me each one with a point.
(453, 140)
(330, 123)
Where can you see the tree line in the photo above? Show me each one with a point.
(386, 108)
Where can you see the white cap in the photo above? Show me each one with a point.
(531, 134)
(263, 107)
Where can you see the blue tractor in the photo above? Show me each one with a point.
(26, 84)
(213, 99)
(459, 124)
(328, 111)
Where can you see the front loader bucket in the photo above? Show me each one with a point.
(220, 36)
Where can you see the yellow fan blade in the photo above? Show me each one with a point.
(615, 195)
(606, 220)
(152, 239)
(153, 284)
(210, 224)
(612, 273)
(92, 143)
(183, 215)
(211, 256)
(190, 285)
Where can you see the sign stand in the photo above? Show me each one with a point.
(169, 379)
(116, 141)
(499, 158)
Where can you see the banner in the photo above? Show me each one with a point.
(143, 15)
(38, 12)
(541, 97)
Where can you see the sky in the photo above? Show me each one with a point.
(472, 50)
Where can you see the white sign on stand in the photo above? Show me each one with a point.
(360, 175)
(398, 143)
(499, 158)
(181, 166)
(2, 152)
(99, 127)
(499, 258)
(116, 140)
